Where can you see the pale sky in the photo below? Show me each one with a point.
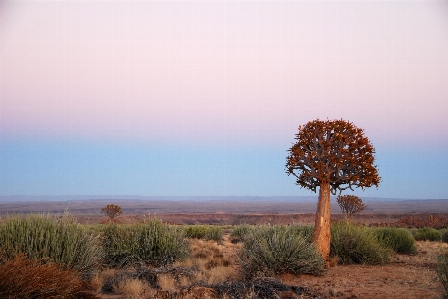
(204, 97)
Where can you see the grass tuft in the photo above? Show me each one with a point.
(60, 240)
(276, 250)
(444, 235)
(205, 232)
(152, 242)
(427, 234)
(399, 240)
(357, 244)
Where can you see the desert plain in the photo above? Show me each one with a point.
(405, 276)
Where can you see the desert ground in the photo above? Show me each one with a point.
(406, 276)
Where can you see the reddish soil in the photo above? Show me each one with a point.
(405, 277)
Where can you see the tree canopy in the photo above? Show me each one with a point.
(350, 205)
(334, 152)
(112, 211)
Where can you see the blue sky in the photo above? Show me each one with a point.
(109, 168)
(204, 97)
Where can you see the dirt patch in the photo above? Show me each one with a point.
(405, 277)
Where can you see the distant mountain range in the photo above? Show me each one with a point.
(27, 198)
(146, 205)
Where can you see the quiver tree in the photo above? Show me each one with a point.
(350, 205)
(112, 211)
(333, 155)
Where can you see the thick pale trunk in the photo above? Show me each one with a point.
(321, 235)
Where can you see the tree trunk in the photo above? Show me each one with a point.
(321, 234)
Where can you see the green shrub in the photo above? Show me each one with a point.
(152, 242)
(427, 234)
(444, 235)
(306, 231)
(442, 270)
(357, 244)
(239, 231)
(214, 233)
(399, 240)
(61, 240)
(206, 232)
(278, 249)
(195, 231)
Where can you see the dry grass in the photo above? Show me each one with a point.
(21, 277)
(167, 282)
(134, 288)
(210, 262)
(100, 279)
(215, 261)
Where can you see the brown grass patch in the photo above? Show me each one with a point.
(26, 278)
(134, 288)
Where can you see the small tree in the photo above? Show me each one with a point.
(332, 155)
(112, 211)
(350, 205)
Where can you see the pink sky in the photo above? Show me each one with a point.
(158, 69)
(222, 73)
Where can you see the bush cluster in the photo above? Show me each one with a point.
(304, 231)
(426, 234)
(444, 235)
(61, 240)
(278, 249)
(238, 232)
(399, 240)
(357, 244)
(206, 232)
(152, 242)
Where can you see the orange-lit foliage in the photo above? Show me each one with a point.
(112, 211)
(334, 152)
(350, 205)
(27, 278)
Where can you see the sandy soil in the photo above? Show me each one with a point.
(405, 277)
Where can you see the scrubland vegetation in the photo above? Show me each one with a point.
(60, 240)
(150, 242)
(44, 256)
(427, 234)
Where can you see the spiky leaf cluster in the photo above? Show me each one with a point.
(334, 152)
